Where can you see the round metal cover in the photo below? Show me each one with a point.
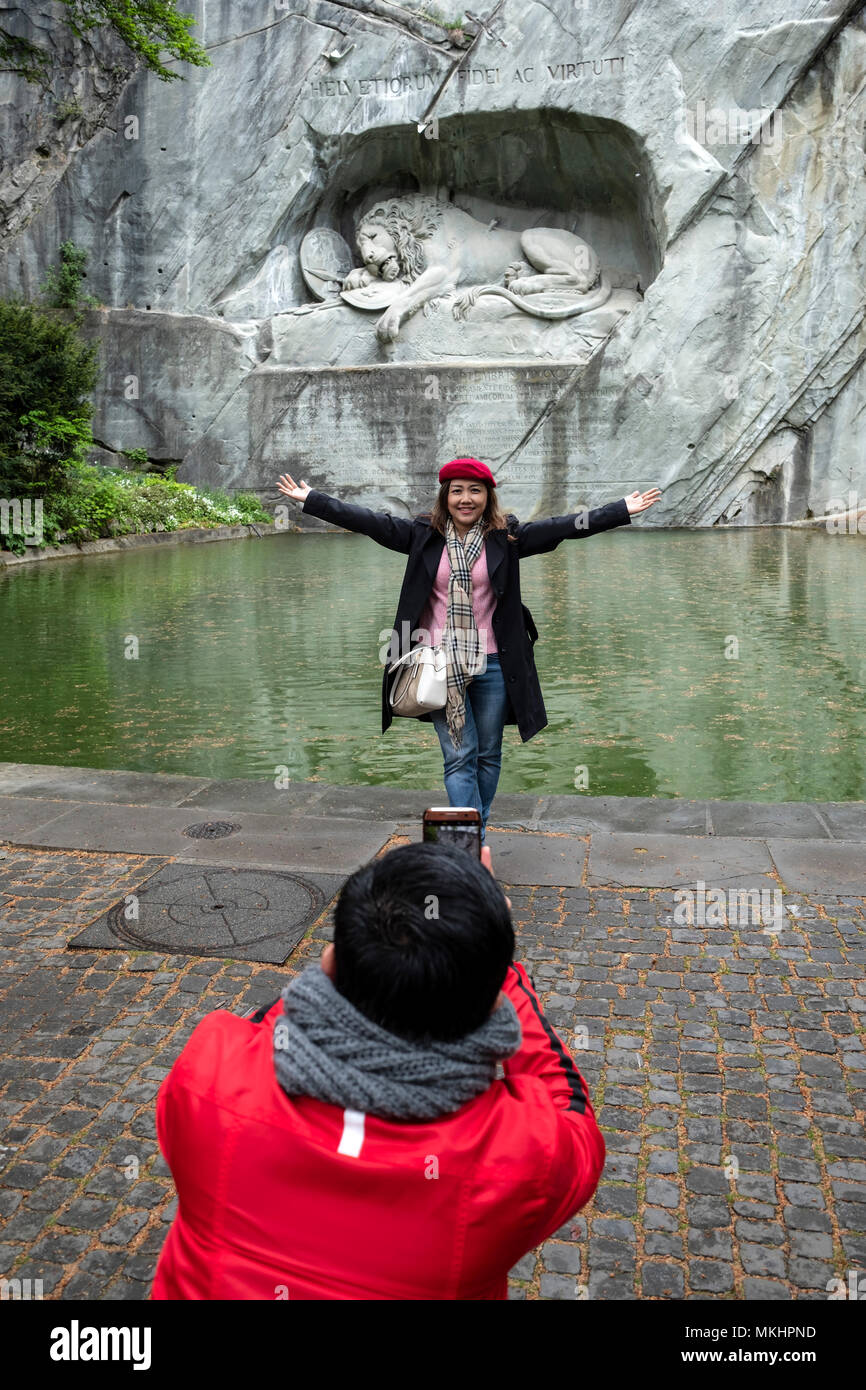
(247, 914)
(210, 829)
(325, 262)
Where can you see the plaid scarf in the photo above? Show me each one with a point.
(461, 638)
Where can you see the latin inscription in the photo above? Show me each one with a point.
(403, 84)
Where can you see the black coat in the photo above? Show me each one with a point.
(513, 628)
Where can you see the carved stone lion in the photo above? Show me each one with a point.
(434, 249)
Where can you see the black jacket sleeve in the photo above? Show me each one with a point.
(539, 537)
(394, 532)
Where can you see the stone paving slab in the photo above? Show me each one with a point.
(378, 803)
(290, 841)
(259, 798)
(672, 861)
(96, 784)
(727, 1067)
(583, 815)
(309, 844)
(106, 826)
(846, 820)
(796, 821)
(821, 865)
(20, 815)
(534, 858)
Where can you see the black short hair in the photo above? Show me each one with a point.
(423, 939)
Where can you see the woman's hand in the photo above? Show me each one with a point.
(639, 501)
(359, 278)
(291, 489)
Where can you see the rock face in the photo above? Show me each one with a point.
(43, 127)
(599, 247)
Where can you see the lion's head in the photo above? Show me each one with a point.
(407, 224)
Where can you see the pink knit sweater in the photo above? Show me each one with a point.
(435, 614)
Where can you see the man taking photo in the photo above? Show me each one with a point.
(403, 1123)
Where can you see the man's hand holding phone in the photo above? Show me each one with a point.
(485, 860)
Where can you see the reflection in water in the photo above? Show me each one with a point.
(256, 656)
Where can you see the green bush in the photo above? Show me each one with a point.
(110, 502)
(46, 376)
(98, 502)
(88, 506)
(68, 110)
(62, 287)
(44, 368)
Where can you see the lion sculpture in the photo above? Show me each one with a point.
(434, 249)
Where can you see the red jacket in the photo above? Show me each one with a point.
(283, 1197)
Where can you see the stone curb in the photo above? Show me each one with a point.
(841, 821)
(108, 544)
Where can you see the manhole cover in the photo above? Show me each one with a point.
(210, 829)
(244, 914)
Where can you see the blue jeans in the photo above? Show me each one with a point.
(472, 771)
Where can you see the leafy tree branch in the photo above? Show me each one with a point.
(154, 30)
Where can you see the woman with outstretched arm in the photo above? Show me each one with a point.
(461, 588)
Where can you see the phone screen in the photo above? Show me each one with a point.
(465, 836)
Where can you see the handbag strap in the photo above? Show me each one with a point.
(412, 655)
(402, 660)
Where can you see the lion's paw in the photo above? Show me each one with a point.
(388, 326)
(512, 272)
(462, 303)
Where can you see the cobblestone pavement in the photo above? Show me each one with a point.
(727, 1067)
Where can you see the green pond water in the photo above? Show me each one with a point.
(254, 655)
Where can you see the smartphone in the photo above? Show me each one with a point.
(453, 825)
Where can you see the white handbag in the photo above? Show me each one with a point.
(420, 681)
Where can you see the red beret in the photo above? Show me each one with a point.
(466, 468)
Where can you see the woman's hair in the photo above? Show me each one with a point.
(493, 518)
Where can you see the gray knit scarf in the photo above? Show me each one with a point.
(324, 1047)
